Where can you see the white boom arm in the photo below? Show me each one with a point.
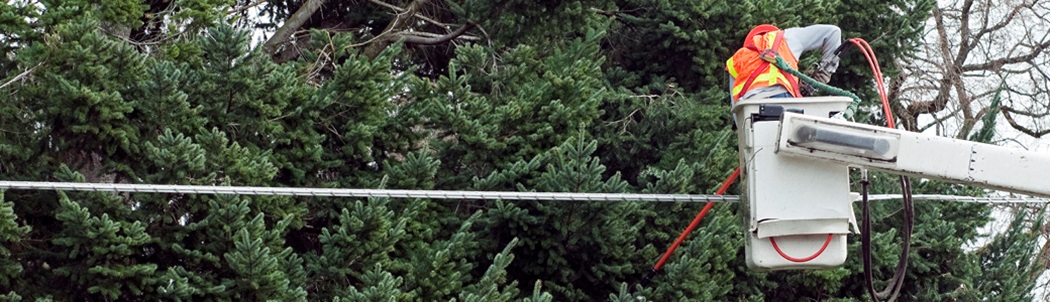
(915, 154)
(794, 160)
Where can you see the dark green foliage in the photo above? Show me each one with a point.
(987, 131)
(619, 96)
(82, 106)
(11, 234)
(1009, 262)
(706, 263)
(95, 252)
(488, 287)
(260, 273)
(360, 243)
(563, 237)
(497, 108)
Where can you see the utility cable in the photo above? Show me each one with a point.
(1004, 200)
(876, 70)
(335, 192)
(893, 289)
(894, 286)
(440, 194)
(865, 235)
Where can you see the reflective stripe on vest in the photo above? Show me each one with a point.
(773, 76)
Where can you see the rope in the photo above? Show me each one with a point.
(850, 111)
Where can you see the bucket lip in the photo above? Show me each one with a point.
(829, 100)
(774, 227)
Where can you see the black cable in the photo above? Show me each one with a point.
(649, 277)
(897, 283)
(865, 237)
(841, 48)
(892, 290)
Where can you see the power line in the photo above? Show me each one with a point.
(967, 199)
(443, 194)
(333, 192)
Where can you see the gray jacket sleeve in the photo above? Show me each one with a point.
(813, 37)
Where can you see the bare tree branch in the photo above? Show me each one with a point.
(464, 37)
(418, 15)
(1002, 23)
(399, 23)
(415, 38)
(938, 121)
(1036, 51)
(1007, 113)
(964, 30)
(281, 36)
(399, 29)
(970, 47)
(21, 75)
(944, 85)
(388, 5)
(246, 7)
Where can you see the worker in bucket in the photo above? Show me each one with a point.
(753, 74)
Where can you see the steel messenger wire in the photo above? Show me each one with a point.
(441, 194)
(378, 193)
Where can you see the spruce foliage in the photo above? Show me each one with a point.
(617, 96)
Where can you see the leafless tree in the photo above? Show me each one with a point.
(975, 51)
(401, 27)
(972, 49)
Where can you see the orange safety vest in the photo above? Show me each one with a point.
(750, 71)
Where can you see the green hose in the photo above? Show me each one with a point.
(850, 110)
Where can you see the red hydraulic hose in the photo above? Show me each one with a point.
(876, 71)
(894, 288)
(696, 220)
(805, 259)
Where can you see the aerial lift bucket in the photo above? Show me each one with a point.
(797, 211)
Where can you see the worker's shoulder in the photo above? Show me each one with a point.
(815, 28)
(813, 36)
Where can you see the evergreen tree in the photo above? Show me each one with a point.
(10, 235)
(510, 106)
(1009, 266)
(95, 254)
(600, 96)
(563, 237)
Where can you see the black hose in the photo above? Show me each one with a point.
(893, 289)
(865, 238)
